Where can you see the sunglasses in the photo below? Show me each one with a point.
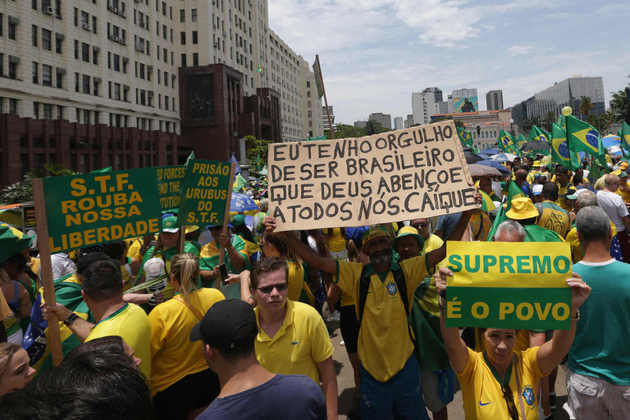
(509, 400)
(279, 287)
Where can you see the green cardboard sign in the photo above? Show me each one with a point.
(95, 208)
(169, 180)
(205, 193)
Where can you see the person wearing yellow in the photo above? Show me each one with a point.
(390, 375)
(101, 288)
(292, 337)
(234, 257)
(564, 187)
(624, 187)
(431, 240)
(501, 382)
(552, 216)
(524, 211)
(336, 243)
(180, 379)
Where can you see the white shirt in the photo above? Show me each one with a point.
(62, 265)
(614, 207)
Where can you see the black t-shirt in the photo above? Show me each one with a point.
(282, 397)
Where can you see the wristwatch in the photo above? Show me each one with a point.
(68, 321)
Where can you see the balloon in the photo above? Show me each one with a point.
(567, 110)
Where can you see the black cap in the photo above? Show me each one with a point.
(226, 325)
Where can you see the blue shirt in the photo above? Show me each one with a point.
(600, 348)
(282, 397)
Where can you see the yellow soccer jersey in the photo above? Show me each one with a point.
(384, 341)
(299, 345)
(173, 355)
(482, 394)
(131, 324)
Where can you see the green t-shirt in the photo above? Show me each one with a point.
(535, 233)
(600, 348)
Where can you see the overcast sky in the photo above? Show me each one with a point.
(374, 53)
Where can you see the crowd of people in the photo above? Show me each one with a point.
(232, 326)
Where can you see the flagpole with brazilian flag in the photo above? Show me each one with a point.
(583, 137)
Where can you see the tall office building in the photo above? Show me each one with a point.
(384, 120)
(398, 123)
(423, 104)
(494, 100)
(409, 121)
(567, 92)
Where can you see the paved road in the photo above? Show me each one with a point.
(345, 383)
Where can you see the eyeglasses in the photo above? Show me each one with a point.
(279, 287)
(509, 400)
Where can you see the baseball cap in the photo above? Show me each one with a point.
(227, 325)
(170, 224)
(409, 231)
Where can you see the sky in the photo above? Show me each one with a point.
(375, 53)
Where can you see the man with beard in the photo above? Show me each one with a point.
(390, 375)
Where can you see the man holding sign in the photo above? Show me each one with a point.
(390, 375)
(501, 382)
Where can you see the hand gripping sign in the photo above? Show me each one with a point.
(519, 285)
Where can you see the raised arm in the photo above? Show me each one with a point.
(439, 254)
(455, 346)
(553, 351)
(325, 264)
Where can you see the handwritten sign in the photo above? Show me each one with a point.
(392, 176)
(206, 192)
(89, 209)
(508, 285)
(169, 180)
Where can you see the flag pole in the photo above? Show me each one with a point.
(321, 81)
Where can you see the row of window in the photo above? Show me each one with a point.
(195, 38)
(8, 105)
(85, 19)
(12, 23)
(46, 39)
(47, 75)
(47, 7)
(11, 66)
(83, 51)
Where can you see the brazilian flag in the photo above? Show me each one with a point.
(583, 137)
(560, 152)
(465, 137)
(520, 141)
(505, 141)
(538, 134)
(624, 134)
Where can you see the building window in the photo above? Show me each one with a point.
(59, 43)
(194, 37)
(13, 106)
(46, 75)
(95, 55)
(85, 52)
(86, 84)
(183, 60)
(195, 59)
(34, 35)
(12, 28)
(60, 74)
(183, 38)
(193, 15)
(35, 72)
(46, 39)
(182, 15)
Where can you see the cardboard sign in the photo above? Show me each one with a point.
(206, 191)
(169, 180)
(89, 209)
(387, 177)
(518, 285)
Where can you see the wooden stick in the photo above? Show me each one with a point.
(45, 274)
(321, 80)
(226, 216)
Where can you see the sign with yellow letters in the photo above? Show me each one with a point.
(508, 285)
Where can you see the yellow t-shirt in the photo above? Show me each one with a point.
(562, 191)
(482, 394)
(133, 249)
(624, 194)
(35, 264)
(131, 324)
(336, 241)
(298, 288)
(299, 345)
(384, 341)
(574, 242)
(554, 218)
(173, 355)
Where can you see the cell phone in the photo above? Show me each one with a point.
(223, 272)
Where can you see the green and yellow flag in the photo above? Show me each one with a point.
(624, 134)
(465, 137)
(520, 141)
(538, 134)
(560, 152)
(505, 141)
(583, 137)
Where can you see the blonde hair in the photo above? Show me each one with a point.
(7, 350)
(185, 268)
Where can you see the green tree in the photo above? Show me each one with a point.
(343, 131)
(372, 127)
(526, 125)
(256, 149)
(22, 190)
(602, 122)
(620, 104)
(585, 107)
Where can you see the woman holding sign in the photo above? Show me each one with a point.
(500, 382)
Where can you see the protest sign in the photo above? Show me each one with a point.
(387, 177)
(169, 180)
(205, 193)
(518, 285)
(95, 208)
